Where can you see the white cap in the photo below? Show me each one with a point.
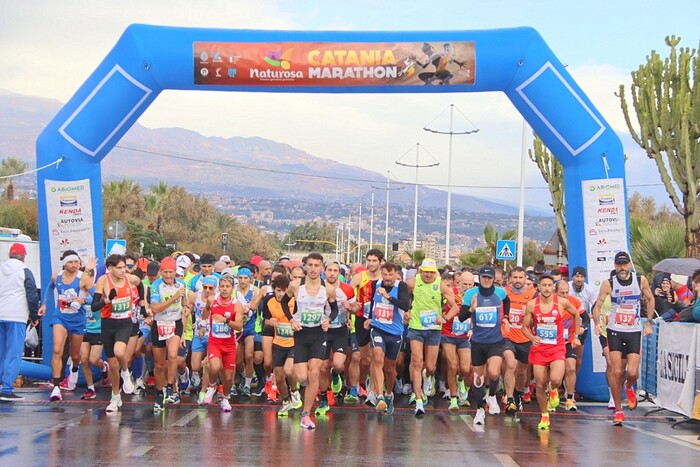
(225, 259)
(679, 279)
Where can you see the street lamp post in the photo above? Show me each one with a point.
(386, 220)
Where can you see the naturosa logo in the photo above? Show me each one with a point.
(279, 58)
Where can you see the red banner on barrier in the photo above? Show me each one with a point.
(334, 64)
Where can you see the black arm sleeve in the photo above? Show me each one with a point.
(465, 312)
(285, 306)
(98, 302)
(142, 293)
(506, 306)
(334, 310)
(404, 299)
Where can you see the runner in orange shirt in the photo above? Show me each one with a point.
(562, 289)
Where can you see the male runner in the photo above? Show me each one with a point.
(561, 288)
(114, 299)
(385, 321)
(624, 329)
(488, 306)
(547, 313)
(310, 324)
(72, 287)
(198, 301)
(587, 295)
(245, 294)
(424, 328)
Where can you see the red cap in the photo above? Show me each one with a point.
(168, 263)
(18, 249)
(256, 259)
(564, 270)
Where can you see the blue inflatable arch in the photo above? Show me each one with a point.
(148, 59)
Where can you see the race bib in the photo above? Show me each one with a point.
(516, 318)
(460, 328)
(221, 330)
(384, 313)
(284, 330)
(90, 316)
(428, 319)
(121, 308)
(486, 316)
(311, 317)
(548, 333)
(341, 318)
(166, 330)
(626, 317)
(365, 308)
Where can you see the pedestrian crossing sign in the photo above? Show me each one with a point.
(505, 250)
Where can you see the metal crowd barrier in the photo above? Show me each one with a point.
(647, 382)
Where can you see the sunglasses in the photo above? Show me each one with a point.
(130, 266)
(208, 287)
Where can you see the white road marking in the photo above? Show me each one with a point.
(183, 421)
(505, 460)
(138, 452)
(671, 439)
(470, 424)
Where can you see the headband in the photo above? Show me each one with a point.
(70, 258)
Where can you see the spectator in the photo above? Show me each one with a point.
(692, 313)
(19, 301)
(665, 300)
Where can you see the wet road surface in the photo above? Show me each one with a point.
(75, 432)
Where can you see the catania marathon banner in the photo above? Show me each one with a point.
(69, 212)
(605, 221)
(334, 64)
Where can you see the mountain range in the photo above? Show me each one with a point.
(258, 167)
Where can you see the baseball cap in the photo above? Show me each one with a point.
(564, 270)
(18, 249)
(487, 271)
(284, 258)
(256, 260)
(183, 262)
(225, 258)
(152, 268)
(229, 271)
(580, 270)
(622, 257)
(428, 265)
(168, 263)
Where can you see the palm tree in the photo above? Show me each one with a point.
(9, 167)
(155, 205)
(122, 199)
(654, 242)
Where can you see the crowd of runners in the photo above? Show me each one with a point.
(305, 336)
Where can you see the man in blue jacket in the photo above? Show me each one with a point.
(19, 301)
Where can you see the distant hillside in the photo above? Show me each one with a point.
(23, 117)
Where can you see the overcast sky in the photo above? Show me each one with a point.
(50, 48)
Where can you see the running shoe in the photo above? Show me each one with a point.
(159, 404)
(185, 380)
(273, 395)
(362, 391)
(296, 400)
(611, 404)
(56, 394)
(570, 405)
(412, 398)
(233, 392)
(65, 384)
(151, 381)
(258, 391)
(90, 394)
(352, 395)
(200, 397)
(245, 391)
(128, 383)
(209, 395)
(527, 397)
(175, 398)
(407, 389)
(494, 408)
(195, 379)
(105, 375)
(427, 385)
(398, 386)
(420, 410)
(389, 404)
(381, 405)
(480, 416)
(140, 384)
(72, 378)
(371, 399)
(442, 388)
(447, 395)
(306, 422)
(225, 405)
(544, 422)
(336, 382)
(454, 405)
(631, 397)
(330, 397)
(553, 400)
(511, 408)
(114, 403)
(462, 392)
(464, 402)
(268, 386)
(169, 396)
(10, 397)
(322, 408)
(619, 418)
(285, 409)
